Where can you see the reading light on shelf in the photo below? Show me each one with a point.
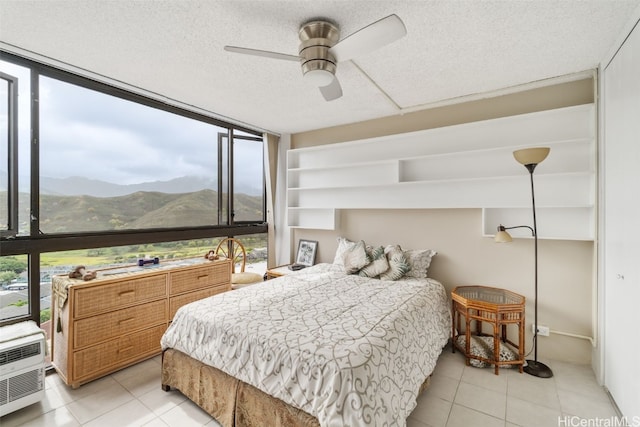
(530, 158)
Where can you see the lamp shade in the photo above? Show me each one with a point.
(502, 237)
(531, 156)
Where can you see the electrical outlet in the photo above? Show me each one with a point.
(543, 331)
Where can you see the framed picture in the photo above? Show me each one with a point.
(306, 252)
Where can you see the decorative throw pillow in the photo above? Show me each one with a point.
(483, 347)
(343, 245)
(419, 260)
(398, 265)
(378, 265)
(355, 257)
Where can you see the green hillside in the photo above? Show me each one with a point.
(67, 214)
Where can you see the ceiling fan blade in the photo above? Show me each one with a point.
(370, 38)
(264, 53)
(332, 91)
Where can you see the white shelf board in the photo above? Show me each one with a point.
(570, 223)
(524, 130)
(561, 190)
(320, 219)
(377, 173)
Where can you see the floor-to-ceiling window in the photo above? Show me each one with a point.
(94, 175)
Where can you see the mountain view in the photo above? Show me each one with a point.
(65, 205)
(76, 186)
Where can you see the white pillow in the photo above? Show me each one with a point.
(419, 260)
(343, 245)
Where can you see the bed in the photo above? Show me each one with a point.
(318, 347)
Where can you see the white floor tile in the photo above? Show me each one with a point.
(442, 386)
(141, 378)
(574, 403)
(131, 414)
(449, 364)
(527, 414)
(156, 422)
(579, 379)
(21, 416)
(69, 394)
(97, 404)
(465, 417)
(60, 417)
(486, 378)
(482, 400)
(187, 414)
(541, 391)
(160, 401)
(432, 410)
(412, 422)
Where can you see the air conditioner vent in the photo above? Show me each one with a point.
(4, 392)
(19, 353)
(24, 384)
(21, 366)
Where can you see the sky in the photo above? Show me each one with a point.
(86, 133)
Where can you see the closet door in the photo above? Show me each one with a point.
(621, 151)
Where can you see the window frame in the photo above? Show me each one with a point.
(35, 242)
(12, 156)
(233, 138)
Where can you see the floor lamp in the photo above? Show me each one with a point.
(530, 158)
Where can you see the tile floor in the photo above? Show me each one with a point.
(458, 396)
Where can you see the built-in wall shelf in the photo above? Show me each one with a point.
(572, 223)
(315, 218)
(463, 166)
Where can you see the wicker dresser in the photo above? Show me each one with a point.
(118, 318)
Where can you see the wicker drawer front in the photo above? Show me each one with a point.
(110, 325)
(197, 278)
(180, 300)
(108, 355)
(101, 298)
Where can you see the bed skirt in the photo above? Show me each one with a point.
(230, 401)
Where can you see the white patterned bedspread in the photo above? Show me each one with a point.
(349, 350)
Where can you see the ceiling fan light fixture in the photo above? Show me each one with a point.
(319, 77)
(319, 49)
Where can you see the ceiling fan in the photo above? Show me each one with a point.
(320, 51)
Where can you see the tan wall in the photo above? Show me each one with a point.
(566, 268)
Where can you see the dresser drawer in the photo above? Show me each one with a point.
(107, 297)
(198, 278)
(92, 330)
(103, 357)
(180, 300)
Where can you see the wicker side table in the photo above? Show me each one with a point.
(498, 307)
(278, 271)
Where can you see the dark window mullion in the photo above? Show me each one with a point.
(12, 155)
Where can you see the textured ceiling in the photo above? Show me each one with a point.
(453, 49)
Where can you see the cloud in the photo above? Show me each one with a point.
(90, 134)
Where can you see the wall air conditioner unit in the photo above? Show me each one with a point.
(22, 349)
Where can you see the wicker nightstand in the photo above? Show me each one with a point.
(498, 307)
(278, 271)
